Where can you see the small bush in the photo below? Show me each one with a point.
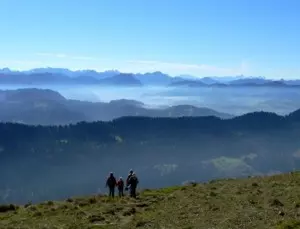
(7, 207)
(27, 205)
(83, 203)
(120, 208)
(70, 200)
(276, 202)
(297, 205)
(96, 218)
(92, 200)
(141, 223)
(50, 203)
(142, 205)
(37, 214)
(253, 202)
(212, 194)
(129, 212)
(110, 212)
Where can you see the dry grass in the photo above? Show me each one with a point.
(260, 203)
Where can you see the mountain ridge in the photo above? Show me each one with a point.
(150, 78)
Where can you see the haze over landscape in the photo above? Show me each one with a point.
(182, 92)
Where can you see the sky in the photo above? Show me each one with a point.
(194, 37)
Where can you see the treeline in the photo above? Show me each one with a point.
(52, 162)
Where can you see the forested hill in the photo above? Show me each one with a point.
(47, 107)
(53, 162)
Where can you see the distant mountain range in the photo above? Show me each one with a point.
(47, 107)
(115, 78)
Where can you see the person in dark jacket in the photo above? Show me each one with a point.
(120, 185)
(111, 184)
(128, 177)
(133, 182)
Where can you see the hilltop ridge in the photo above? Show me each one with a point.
(257, 202)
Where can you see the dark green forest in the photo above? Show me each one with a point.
(54, 162)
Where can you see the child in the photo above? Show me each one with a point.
(120, 185)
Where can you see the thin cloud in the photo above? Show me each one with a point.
(83, 58)
(23, 62)
(66, 56)
(57, 55)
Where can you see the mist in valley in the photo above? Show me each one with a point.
(54, 162)
(235, 101)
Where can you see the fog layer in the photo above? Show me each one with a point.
(235, 101)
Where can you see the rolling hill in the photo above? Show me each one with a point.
(258, 202)
(47, 107)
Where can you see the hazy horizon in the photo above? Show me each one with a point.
(234, 101)
(143, 72)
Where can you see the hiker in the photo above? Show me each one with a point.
(133, 182)
(128, 177)
(120, 185)
(111, 184)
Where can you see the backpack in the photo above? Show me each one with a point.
(133, 181)
(128, 178)
(111, 181)
(120, 183)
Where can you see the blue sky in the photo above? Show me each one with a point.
(199, 37)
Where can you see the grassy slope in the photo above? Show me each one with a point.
(260, 202)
